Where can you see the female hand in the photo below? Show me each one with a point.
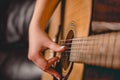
(38, 42)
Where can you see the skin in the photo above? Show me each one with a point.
(39, 40)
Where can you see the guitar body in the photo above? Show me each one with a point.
(76, 24)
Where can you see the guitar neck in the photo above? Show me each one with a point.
(100, 50)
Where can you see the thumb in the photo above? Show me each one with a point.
(55, 47)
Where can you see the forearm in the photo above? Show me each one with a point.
(39, 40)
(43, 11)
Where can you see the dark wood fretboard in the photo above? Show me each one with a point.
(100, 50)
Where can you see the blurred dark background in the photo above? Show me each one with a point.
(15, 16)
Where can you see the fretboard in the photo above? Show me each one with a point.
(100, 50)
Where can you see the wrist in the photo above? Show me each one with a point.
(37, 25)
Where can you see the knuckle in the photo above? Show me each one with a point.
(51, 44)
(31, 56)
(48, 44)
(44, 68)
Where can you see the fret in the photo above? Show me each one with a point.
(110, 50)
(92, 50)
(116, 56)
(106, 45)
(93, 54)
(96, 47)
(99, 49)
(87, 59)
(72, 55)
(105, 48)
(75, 55)
(79, 51)
(85, 50)
(75, 48)
(82, 50)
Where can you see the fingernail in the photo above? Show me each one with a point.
(58, 78)
(62, 47)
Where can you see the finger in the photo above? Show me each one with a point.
(45, 66)
(56, 47)
(40, 61)
(52, 60)
(54, 73)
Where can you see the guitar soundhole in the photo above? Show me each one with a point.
(64, 66)
(65, 56)
(65, 63)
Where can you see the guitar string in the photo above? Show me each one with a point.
(77, 50)
(68, 50)
(79, 44)
(89, 38)
(78, 39)
(84, 55)
(81, 39)
(86, 58)
(82, 43)
(82, 46)
(89, 55)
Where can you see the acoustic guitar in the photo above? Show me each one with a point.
(74, 23)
